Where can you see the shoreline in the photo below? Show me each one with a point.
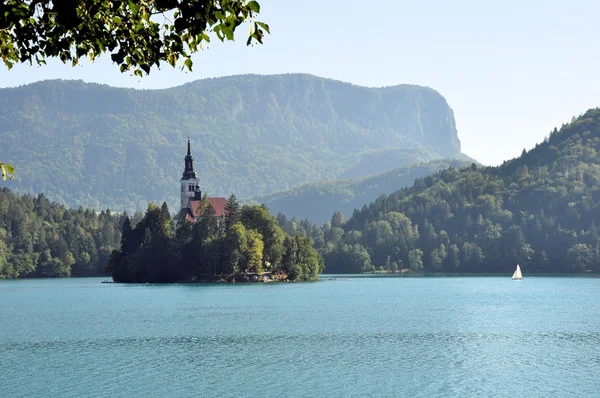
(461, 274)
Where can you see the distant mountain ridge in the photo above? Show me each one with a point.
(316, 202)
(100, 146)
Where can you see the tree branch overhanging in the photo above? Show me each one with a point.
(35, 30)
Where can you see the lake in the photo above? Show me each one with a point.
(455, 337)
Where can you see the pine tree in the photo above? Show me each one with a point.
(337, 220)
(232, 212)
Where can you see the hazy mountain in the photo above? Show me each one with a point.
(100, 146)
(316, 202)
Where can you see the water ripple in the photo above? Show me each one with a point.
(416, 338)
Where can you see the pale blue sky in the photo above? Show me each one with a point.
(511, 71)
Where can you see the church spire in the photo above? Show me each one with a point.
(189, 171)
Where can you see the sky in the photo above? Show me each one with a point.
(511, 70)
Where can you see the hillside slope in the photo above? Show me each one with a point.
(316, 202)
(540, 210)
(99, 146)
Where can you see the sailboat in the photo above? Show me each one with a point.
(517, 274)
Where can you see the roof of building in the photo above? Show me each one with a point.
(219, 205)
(190, 212)
(184, 213)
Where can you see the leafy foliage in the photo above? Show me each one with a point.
(139, 34)
(210, 249)
(97, 146)
(317, 201)
(7, 170)
(43, 239)
(540, 210)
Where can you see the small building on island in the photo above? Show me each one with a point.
(191, 194)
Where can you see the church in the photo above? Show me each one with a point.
(191, 195)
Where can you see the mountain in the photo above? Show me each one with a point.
(316, 202)
(540, 210)
(100, 146)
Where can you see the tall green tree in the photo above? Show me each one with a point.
(579, 257)
(415, 260)
(232, 212)
(257, 217)
(337, 220)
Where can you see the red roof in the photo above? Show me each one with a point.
(217, 203)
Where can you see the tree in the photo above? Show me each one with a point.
(438, 256)
(337, 220)
(452, 259)
(232, 212)
(415, 260)
(255, 251)
(579, 256)
(4, 264)
(257, 218)
(139, 34)
(236, 248)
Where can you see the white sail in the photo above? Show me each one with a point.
(517, 274)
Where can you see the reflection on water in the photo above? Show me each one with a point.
(360, 337)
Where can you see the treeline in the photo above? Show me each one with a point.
(43, 239)
(541, 210)
(247, 240)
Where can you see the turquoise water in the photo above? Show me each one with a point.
(461, 337)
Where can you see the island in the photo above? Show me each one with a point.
(246, 244)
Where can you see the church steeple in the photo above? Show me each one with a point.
(189, 181)
(189, 171)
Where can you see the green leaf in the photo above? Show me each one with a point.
(117, 20)
(254, 6)
(264, 26)
(133, 7)
(10, 168)
(188, 64)
(227, 31)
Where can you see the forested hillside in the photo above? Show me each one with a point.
(541, 210)
(316, 202)
(104, 147)
(43, 239)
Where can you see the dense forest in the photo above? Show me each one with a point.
(541, 210)
(247, 241)
(316, 202)
(97, 146)
(43, 239)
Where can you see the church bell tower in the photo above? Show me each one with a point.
(189, 182)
